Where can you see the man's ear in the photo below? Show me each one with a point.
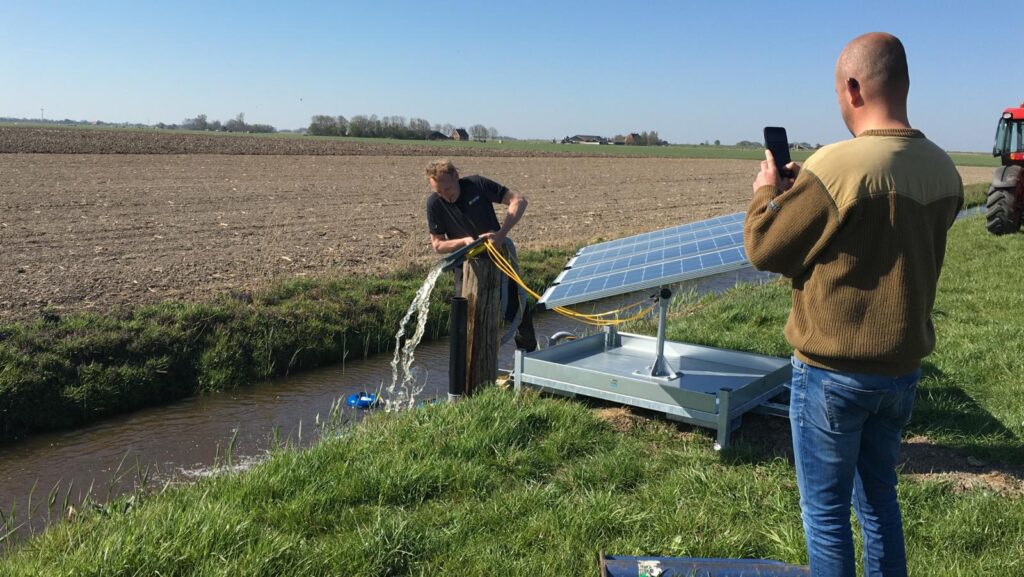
(853, 94)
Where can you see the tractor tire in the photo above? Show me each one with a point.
(1001, 216)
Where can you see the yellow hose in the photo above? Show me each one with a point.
(597, 319)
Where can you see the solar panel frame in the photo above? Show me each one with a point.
(658, 258)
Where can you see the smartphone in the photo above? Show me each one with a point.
(775, 140)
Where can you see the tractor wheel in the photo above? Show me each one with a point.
(1002, 217)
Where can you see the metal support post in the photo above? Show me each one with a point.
(661, 368)
(457, 350)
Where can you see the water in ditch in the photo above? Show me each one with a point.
(405, 386)
(191, 438)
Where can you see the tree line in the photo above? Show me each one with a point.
(200, 122)
(236, 124)
(644, 138)
(397, 127)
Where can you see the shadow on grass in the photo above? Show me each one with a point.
(950, 433)
(950, 419)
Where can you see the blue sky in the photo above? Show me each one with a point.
(693, 71)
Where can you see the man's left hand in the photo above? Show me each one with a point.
(497, 238)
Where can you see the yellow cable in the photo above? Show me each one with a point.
(593, 319)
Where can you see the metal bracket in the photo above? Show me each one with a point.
(661, 369)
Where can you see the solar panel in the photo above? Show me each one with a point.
(691, 226)
(673, 252)
(650, 260)
(653, 244)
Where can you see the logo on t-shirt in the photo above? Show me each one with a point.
(473, 200)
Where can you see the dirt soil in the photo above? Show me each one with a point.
(83, 140)
(96, 231)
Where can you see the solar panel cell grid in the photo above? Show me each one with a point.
(648, 245)
(650, 260)
(717, 221)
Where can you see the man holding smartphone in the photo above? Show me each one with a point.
(860, 229)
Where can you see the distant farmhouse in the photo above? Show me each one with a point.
(632, 138)
(584, 139)
(435, 135)
(460, 134)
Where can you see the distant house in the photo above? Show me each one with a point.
(632, 138)
(584, 139)
(460, 134)
(435, 135)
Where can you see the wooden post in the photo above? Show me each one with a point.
(481, 285)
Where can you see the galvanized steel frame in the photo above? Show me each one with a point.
(603, 366)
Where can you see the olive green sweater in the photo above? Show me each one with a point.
(862, 236)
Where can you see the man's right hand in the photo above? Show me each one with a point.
(442, 245)
(769, 175)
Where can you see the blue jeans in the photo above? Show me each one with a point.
(846, 444)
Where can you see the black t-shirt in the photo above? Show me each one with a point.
(472, 214)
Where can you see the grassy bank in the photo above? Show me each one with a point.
(63, 372)
(523, 485)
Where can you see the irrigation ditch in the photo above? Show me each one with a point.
(235, 428)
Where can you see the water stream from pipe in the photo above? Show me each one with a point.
(404, 388)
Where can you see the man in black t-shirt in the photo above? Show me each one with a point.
(460, 211)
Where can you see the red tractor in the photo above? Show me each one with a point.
(1006, 195)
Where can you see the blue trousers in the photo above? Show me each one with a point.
(846, 443)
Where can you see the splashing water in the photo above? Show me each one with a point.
(401, 393)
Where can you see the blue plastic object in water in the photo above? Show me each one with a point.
(361, 400)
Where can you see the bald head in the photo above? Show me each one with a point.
(877, 62)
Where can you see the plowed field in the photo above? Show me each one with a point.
(94, 231)
(83, 140)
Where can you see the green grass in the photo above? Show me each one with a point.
(535, 146)
(523, 485)
(530, 146)
(975, 194)
(974, 159)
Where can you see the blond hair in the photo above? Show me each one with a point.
(440, 166)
